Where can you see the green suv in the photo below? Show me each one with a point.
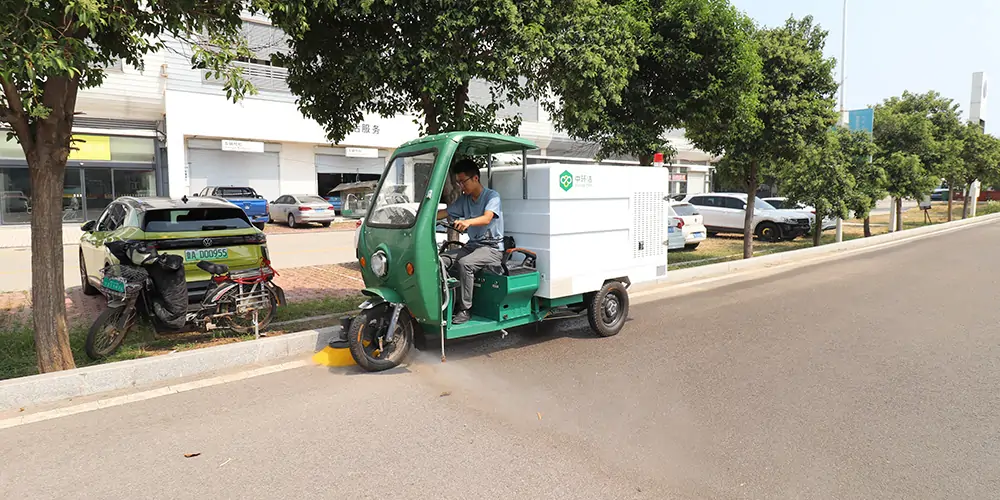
(196, 229)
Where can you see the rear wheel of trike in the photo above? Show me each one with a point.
(607, 309)
(109, 331)
(368, 327)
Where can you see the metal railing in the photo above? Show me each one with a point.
(262, 76)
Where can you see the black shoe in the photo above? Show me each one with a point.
(460, 317)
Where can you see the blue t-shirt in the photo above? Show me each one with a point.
(467, 208)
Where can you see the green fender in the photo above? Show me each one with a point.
(379, 295)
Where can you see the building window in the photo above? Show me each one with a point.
(678, 180)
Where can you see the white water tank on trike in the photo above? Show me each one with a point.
(587, 223)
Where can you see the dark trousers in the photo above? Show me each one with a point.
(463, 263)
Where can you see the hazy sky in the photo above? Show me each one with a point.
(897, 45)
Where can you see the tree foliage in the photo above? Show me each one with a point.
(698, 70)
(980, 156)
(51, 50)
(391, 57)
(794, 110)
(921, 126)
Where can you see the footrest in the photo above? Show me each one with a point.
(452, 283)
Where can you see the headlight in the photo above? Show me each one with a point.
(783, 219)
(380, 265)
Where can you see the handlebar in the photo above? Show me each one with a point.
(451, 226)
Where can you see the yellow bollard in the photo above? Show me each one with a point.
(335, 354)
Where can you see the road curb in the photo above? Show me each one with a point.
(56, 386)
(50, 387)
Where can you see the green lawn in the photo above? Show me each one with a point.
(17, 358)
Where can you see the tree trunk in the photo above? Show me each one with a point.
(751, 185)
(868, 227)
(48, 288)
(899, 214)
(461, 100)
(817, 231)
(951, 189)
(965, 201)
(646, 159)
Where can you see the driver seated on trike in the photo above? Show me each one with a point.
(477, 212)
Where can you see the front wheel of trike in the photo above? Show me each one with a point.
(607, 309)
(371, 325)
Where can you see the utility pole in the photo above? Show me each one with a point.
(843, 118)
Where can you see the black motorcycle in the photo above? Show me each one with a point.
(153, 285)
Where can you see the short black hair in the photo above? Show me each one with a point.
(467, 167)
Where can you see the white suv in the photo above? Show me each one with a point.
(725, 213)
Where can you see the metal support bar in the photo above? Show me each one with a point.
(524, 173)
(489, 173)
(396, 308)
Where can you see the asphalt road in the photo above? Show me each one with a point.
(868, 377)
(287, 250)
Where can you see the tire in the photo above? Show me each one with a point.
(370, 322)
(691, 246)
(607, 309)
(712, 234)
(97, 345)
(262, 321)
(769, 231)
(260, 225)
(326, 224)
(291, 220)
(88, 289)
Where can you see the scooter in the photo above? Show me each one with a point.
(153, 285)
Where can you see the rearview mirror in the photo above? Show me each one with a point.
(88, 226)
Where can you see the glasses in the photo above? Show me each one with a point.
(461, 182)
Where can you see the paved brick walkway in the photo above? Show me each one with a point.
(300, 284)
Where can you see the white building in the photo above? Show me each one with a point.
(169, 130)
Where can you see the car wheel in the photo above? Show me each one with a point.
(712, 234)
(291, 220)
(326, 224)
(260, 225)
(88, 289)
(769, 231)
(691, 246)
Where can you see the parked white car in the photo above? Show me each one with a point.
(300, 209)
(781, 202)
(725, 213)
(692, 223)
(675, 233)
(440, 237)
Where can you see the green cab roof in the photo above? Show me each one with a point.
(476, 143)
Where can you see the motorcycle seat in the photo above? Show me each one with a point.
(213, 268)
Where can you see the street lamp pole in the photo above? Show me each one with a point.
(843, 119)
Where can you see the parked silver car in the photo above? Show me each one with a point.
(297, 209)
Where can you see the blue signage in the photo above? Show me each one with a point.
(861, 119)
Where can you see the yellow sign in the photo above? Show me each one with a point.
(90, 147)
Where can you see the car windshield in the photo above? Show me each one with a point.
(684, 209)
(762, 205)
(236, 192)
(404, 185)
(311, 199)
(195, 219)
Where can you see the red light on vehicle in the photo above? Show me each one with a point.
(358, 224)
(303, 209)
(331, 207)
(680, 223)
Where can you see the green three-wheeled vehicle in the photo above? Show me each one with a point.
(576, 255)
